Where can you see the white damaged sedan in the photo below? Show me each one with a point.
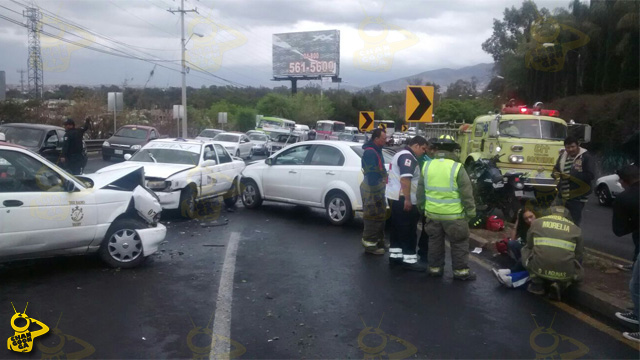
(183, 172)
(48, 212)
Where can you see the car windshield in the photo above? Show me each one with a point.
(288, 139)
(386, 153)
(131, 132)
(227, 138)
(258, 137)
(271, 123)
(166, 156)
(22, 136)
(338, 127)
(209, 133)
(533, 129)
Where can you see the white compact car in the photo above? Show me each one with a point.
(237, 144)
(607, 188)
(324, 174)
(183, 172)
(48, 212)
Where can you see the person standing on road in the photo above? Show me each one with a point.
(445, 194)
(553, 253)
(423, 240)
(625, 220)
(372, 190)
(312, 134)
(401, 192)
(73, 157)
(574, 168)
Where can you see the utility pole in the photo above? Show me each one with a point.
(183, 47)
(21, 71)
(34, 26)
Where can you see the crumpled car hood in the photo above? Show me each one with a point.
(125, 178)
(154, 170)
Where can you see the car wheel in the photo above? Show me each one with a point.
(122, 246)
(106, 157)
(251, 197)
(338, 208)
(250, 154)
(188, 202)
(604, 195)
(238, 153)
(231, 197)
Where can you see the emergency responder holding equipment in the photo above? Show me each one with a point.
(372, 190)
(73, 158)
(445, 194)
(404, 176)
(553, 253)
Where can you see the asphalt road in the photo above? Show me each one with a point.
(596, 223)
(280, 282)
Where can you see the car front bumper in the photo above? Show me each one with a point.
(110, 151)
(169, 200)
(151, 238)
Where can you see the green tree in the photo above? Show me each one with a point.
(275, 105)
(245, 119)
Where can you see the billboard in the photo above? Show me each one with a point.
(306, 54)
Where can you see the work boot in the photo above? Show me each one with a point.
(436, 271)
(465, 274)
(535, 288)
(555, 291)
(414, 267)
(374, 250)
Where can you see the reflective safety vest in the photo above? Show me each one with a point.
(441, 190)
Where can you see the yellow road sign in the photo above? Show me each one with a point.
(405, 127)
(419, 104)
(365, 121)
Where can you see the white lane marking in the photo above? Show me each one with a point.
(222, 321)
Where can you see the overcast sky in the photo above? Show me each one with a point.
(238, 37)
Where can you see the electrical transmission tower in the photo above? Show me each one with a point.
(34, 79)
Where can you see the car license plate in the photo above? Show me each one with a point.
(118, 152)
(519, 193)
(529, 194)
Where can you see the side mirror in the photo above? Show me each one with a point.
(2, 137)
(127, 157)
(69, 186)
(268, 161)
(208, 163)
(493, 128)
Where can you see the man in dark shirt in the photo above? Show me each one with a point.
(625, 221)
(73, 158)
(372, 190)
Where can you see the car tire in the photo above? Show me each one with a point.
(338, 208)
(106, 157)
(251, 197)
(188, 206)
(238, 153)
(231, 197)
(604, 195)
(250, 154)
(122, 246)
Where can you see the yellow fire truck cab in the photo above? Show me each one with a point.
(529, 141)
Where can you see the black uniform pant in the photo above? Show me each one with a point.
(423, 241)
(404, 234)
(575, 207)
(73, 164)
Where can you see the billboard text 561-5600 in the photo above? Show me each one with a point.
(312, 53)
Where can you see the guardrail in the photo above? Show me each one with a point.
(94, 145)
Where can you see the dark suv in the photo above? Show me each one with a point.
(45, 140)
(127, 140)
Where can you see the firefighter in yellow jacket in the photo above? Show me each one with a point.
(553, 253)
(445, 194)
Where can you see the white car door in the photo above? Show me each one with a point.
(245, 145)
(226, 172)
(325, 166)
(38, 215)
(209, 175)
(281, 179)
